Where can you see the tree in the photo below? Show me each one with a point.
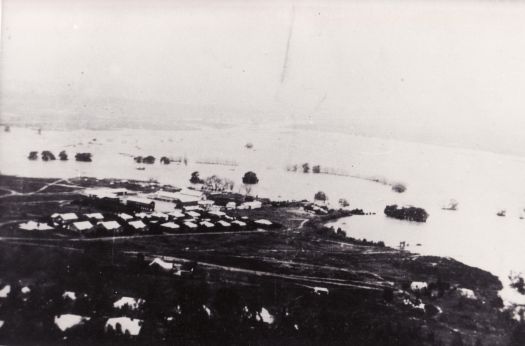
(165, 160)
(148, 159)
(216, 183)
(306, 167)
(343, 203)
(86, 157)
(195, 179)
(33, 155)
(399, 188)
(63, 155)
(320, 196)
(316, 169)
(249, 179)
(47, 155)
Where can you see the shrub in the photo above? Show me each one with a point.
(399, 188)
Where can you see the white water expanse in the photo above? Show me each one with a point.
(483, 183)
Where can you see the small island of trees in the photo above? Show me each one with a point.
(33, 155)
(320, 196)
(195, 178)
(147, 159)
(406, 213)
(48, 156)
(84, 157)
(63, 155)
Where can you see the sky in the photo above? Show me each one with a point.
(443, 72)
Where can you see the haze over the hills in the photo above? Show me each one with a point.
(448, 73)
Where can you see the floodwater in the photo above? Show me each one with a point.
(483, 183)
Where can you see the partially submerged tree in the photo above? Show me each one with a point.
(195, 178)
(63, 155)
(33, 155)
(306, 167)
(47, 155)
(85, 157)
(249, 180)
(148, 159)
(399, 188)
(320, 196)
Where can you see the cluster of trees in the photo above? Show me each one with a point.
(216, 183)
(320, 196)
(63, 155)
(84, 157)
(47, 155)
(406, 213)
(146, 159)
(305, 168)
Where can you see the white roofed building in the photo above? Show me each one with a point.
(176, 214)
(263, 222)
(190, 225)
(94, 216)
(223, 223)
(250, 205)
(193, 214)
(206, 224)
(81, 226)
(231, 205)
(64, 219)
(171, 226)
(137, 225)
(216, 214)
(125, 217)
(139, 203)
(112, 226)
(239, 223)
